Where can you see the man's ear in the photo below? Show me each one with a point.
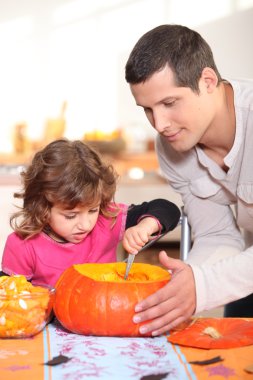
(209, 79)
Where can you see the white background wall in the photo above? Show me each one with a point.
(75, 51)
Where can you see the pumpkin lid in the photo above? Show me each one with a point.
(215, 333)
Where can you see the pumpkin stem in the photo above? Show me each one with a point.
(212, 332)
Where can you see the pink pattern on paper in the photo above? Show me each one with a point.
(106, 358)
(15, 368)
(221, 370)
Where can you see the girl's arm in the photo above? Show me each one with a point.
(146, 220)
(166, 212)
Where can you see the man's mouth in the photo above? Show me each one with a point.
(173, 136)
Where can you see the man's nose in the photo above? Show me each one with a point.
(160, 122)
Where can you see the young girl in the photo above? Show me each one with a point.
(69, 217)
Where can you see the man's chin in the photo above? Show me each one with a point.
(180, 148)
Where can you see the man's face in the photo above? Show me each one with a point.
(182, 116)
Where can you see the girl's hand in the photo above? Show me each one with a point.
(137, 236)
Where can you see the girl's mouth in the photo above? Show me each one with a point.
(80, 235)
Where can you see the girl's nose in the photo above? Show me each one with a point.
(84, 223)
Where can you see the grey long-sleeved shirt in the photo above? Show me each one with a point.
(219, 206)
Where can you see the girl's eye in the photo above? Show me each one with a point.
(93, 210)
(70, 216)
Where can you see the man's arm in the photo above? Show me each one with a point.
(216, 236)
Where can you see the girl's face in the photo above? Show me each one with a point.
(73, 225)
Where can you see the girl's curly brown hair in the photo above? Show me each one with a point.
(68, 173)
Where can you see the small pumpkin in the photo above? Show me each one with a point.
(215, 333)
(94, 299)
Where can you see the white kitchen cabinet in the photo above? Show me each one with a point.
(7, 207)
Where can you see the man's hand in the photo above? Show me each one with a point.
(172, 304)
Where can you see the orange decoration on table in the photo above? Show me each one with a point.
(24, 308)
(215, 333)
(94, 299)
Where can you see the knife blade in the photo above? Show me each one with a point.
(130, 261)
(131, 256)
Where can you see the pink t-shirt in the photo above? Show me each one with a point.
(42, 260)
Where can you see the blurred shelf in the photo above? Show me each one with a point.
(11, 165)
(14, 159)
(147, 161)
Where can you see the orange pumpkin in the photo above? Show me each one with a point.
(94, 299)
(215, 333)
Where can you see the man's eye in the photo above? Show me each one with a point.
(170, 104)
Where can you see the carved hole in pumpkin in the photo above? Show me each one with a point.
(114, 272)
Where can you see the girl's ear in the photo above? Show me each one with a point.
(209, 79)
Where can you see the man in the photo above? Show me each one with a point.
(204, 145)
